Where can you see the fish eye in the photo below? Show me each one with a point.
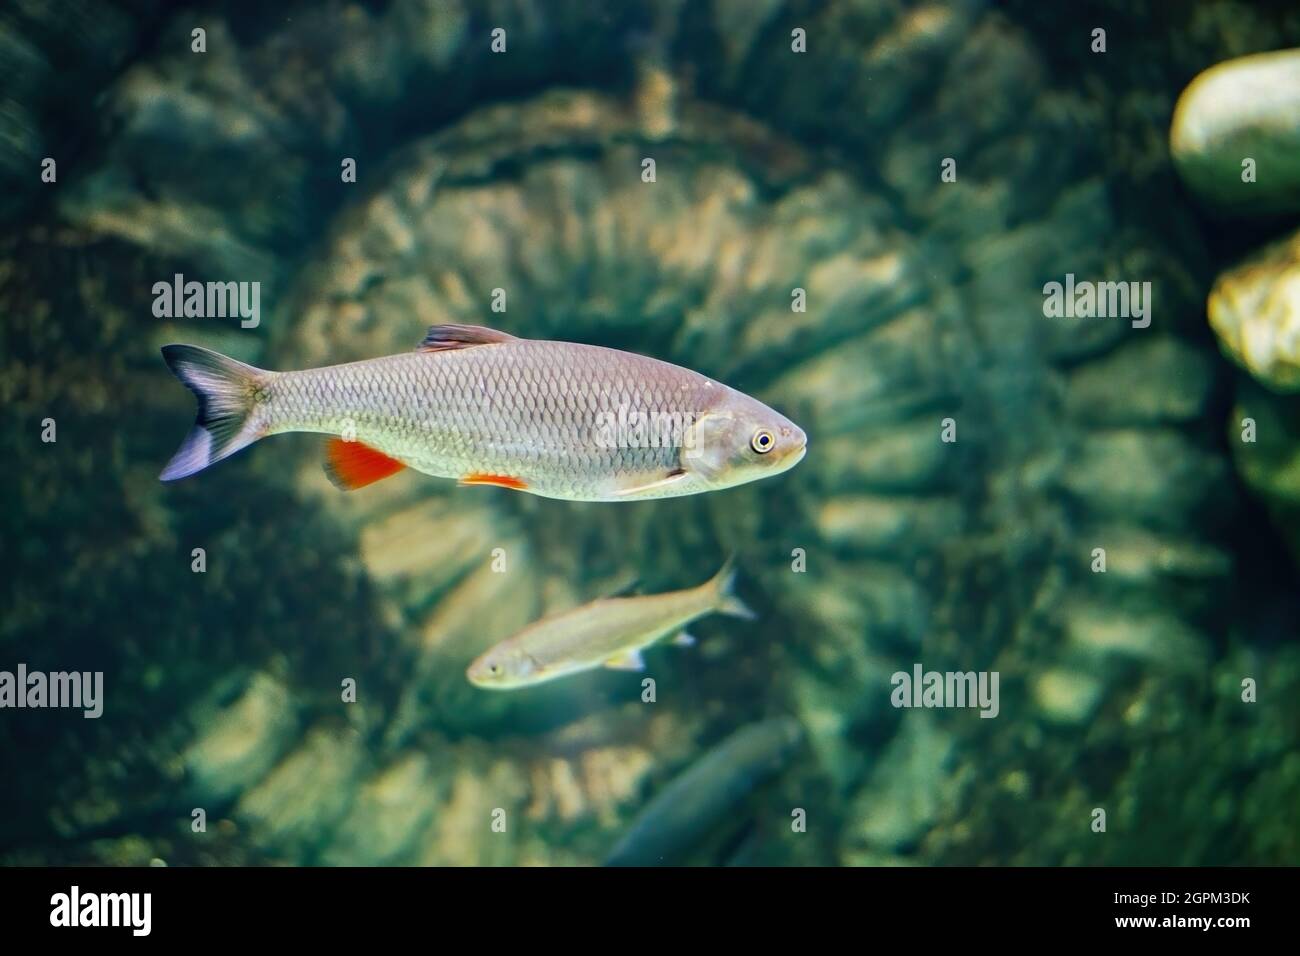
(494, 670)
(763, 441)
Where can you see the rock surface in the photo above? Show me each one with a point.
(1255, 311)
(1235, 137)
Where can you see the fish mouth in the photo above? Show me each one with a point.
(796, 455)
(484, 682)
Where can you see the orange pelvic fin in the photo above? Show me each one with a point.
(503, 481)
(351, 465)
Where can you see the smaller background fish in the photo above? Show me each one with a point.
(610, 632)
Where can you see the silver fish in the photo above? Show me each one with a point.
(555, 419)
(610, 632)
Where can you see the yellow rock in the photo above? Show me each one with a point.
(1235, 135)
(1255, 311)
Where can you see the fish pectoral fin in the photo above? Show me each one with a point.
(677, 474)
(440, 338)
(627, 661)
(683, 640)
(351, 465)
(501, 481)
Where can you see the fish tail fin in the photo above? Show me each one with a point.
(226, 391)
(725, 600)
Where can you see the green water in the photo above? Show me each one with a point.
(1063, 509)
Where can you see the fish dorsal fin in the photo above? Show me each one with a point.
(440, 338)
(627, 661)
(351, 465)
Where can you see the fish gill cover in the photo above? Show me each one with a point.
(901, 225)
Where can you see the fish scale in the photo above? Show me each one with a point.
(521, 408)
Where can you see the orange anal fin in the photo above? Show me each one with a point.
(351, 465)
(502, 481)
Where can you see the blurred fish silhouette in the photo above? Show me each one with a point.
(692, 806)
